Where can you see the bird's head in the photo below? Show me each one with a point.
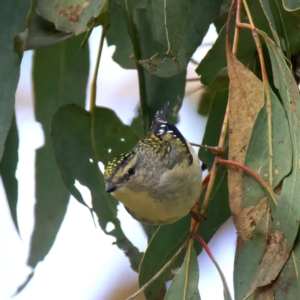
(120, 171)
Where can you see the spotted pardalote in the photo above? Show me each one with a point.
(159, 179)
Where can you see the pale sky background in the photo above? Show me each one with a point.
(83, 264)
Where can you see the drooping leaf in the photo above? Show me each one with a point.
(176, 32)
(185, 284)
(77, 154)
(13, 19)
(70, 15)
(60, 75)
(8, 168)
(168, 239)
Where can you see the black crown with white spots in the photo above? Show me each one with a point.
(160, 127)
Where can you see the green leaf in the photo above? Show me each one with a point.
(8, 167)
(168, 239)
(77, 156)
(213, 127)
(69, 15)
(60, 75)
(12, 17)
(117, 34)
(253, 224)
(176, 29)
(185, 284)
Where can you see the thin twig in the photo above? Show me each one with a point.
(160, 271)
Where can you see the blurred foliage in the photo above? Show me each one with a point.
(158, 39)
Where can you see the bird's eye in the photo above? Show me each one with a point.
(130, 171)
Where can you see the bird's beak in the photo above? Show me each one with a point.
(110, 187)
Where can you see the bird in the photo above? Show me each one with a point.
(159, 179)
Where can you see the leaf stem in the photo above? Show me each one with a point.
(252, 173)
(206, 248)
(160, 271)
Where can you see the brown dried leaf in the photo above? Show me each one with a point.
(246, 98)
